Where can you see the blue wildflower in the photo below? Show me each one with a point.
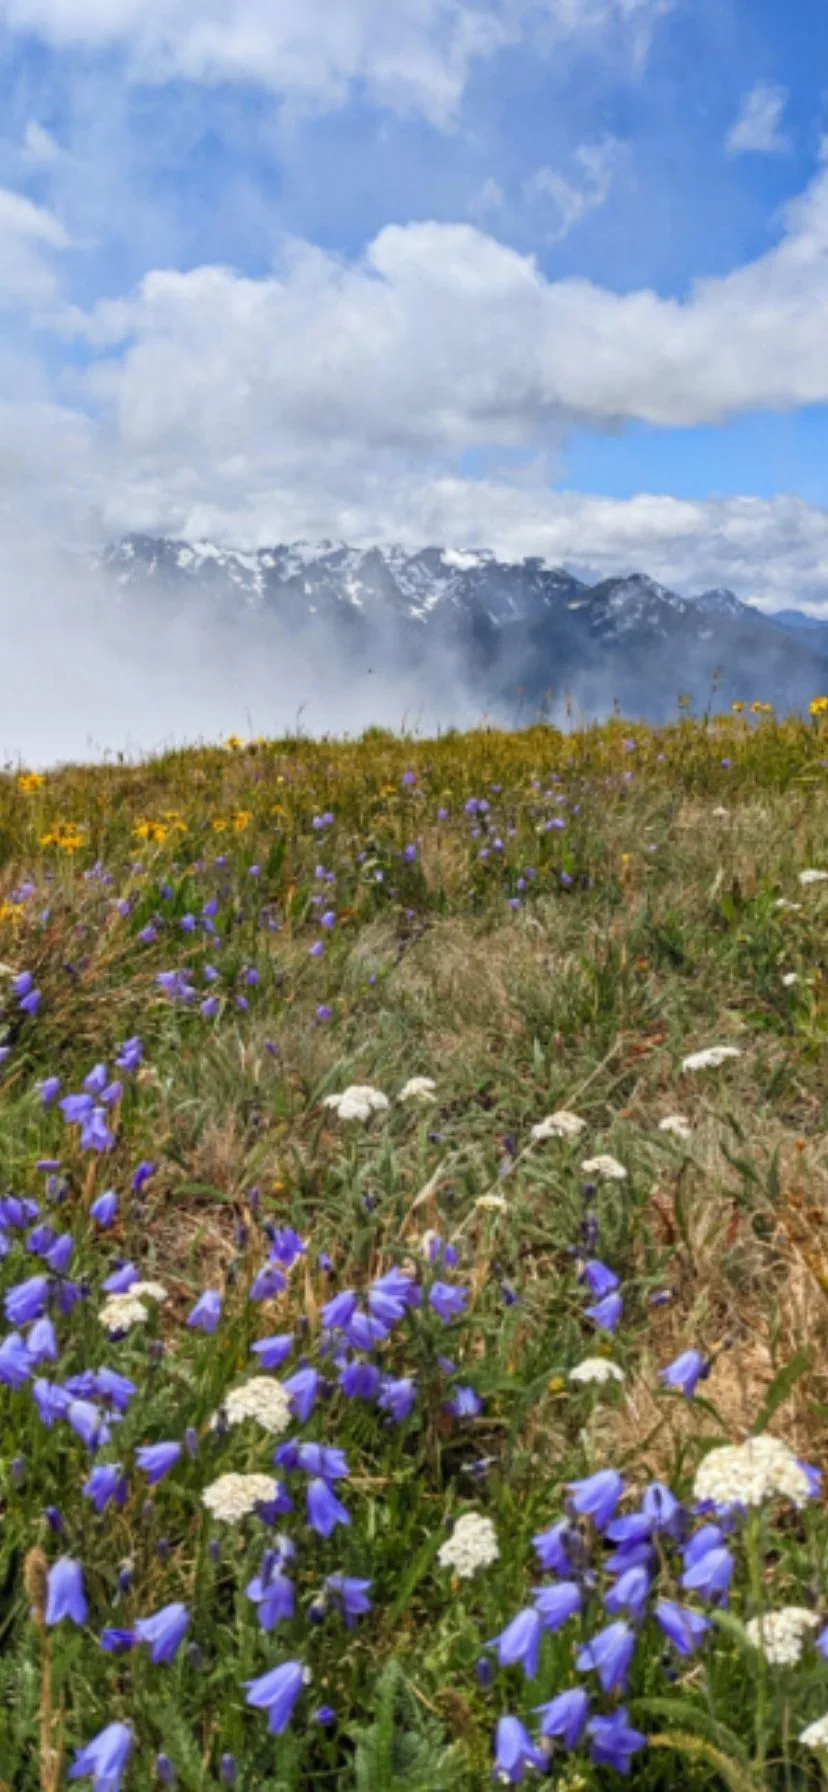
(324, 1510)
(104, 1758)
(165, 1631)
(565, 1716)
(157, 1459)
(65, 1596)
(609, 1653)
(515, 1751)
(207, 1311)
(448, 1302)
(685, 1628)
(277, 1692)
(613, 1741)
(597, 1496)
(272, 1352)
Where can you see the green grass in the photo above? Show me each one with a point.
(646, 928)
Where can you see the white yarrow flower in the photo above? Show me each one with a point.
(710, 1057)
(748, 1474)
(607, 1167)
(560, 1125)
(720, 813)
(261, 1398)
(676, 1124)
(815, 1735)
(358, 1102)
(782, 902)
(418, 1088)
(121, 1311)
(472, 1545)
(232, 1497)
(596, 1368)
(781, 1635)
(789, 978)
(149, 1291)
(813, 877)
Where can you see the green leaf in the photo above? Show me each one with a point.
(781, 1386)
(737, 1777)
(690, 1716)
(419, 1567)
(734, 1628)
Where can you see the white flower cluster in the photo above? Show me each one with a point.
(781, 1635)
(121, 1311)
(748, 1474)
(815, 1735)
(232, 1497)
(782, 902)
(418, 1088)
(358, 1102)
(596, 1368)
(149, 1291)
(710, 1057)
(812, 877)
(789, 978)
(607, 1167)
(261, 1398)
(560, 1125)
(472, 1545)
(678, 1125)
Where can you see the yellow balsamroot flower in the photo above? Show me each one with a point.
(737, 707)
(818, 706)
(175, 821)
(241, 819)
(65, 834)
(30, 781)
(9, 911)
(219, 825)
(234, 742)
(144, 829)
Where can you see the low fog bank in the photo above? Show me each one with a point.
(88, 675)
(95, 670)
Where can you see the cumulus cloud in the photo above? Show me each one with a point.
(757, 126)
(412, 55)
(28, 235)
(437, 339)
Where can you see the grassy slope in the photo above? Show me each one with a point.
(664, 936)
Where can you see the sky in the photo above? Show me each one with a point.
(546, 276)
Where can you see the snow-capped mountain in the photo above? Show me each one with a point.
(508, 625)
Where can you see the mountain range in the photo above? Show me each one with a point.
(520, 635)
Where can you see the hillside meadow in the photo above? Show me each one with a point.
(414, 1261)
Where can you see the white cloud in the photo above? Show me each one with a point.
(757, 126)
(489, 199)
(566, 202)
(27, 233)
(336, 398)
(409, 54)
(442, 338)
(39, 146)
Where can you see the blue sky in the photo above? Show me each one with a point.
(546, 274)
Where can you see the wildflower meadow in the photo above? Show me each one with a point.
(414, 1263)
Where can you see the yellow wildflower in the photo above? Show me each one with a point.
(219, 825)
(241, 818)
(737, 707)
(30, 781)
(818, 706)
(234, 742)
